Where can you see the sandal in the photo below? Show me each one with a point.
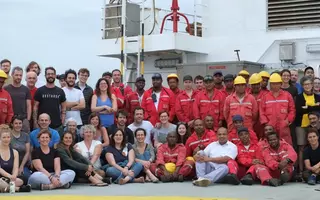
(99, 184)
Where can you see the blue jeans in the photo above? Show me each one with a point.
(116, 174)
(26, 172)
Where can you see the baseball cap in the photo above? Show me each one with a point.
(237, 118)
(228, 77)
(156, 76)
(140, 79)
(217, 72)
(187, 78)
(242, 129)
(208, 78)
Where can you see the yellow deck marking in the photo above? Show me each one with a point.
(71, 197)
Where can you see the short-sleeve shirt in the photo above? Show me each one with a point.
(50, 100)
(146, 125)
(161, 133)
(312, 154)
(215, 150)
(19, 144)
(88, 153)
(19, 96)
(47, 160)
(55, 138)
(119, 155)
(73, 95)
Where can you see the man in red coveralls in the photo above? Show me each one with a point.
(209, 102)
(171, 164)
(263, 142)
(255, 82)
(184, 102)
(157, 99)
(249, 155)
(200, 139)
(241, 103)
(218, 80)
(134, 99)
(120, 90)
(173, 82)
(198, 81)
(6, 110)
(237, 124)
(279, 158)
(277, 108)
(265, 80)
(229, 85)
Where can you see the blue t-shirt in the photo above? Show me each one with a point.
(299, 87)
(55, 137)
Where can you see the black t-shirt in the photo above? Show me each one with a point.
(312, 155)
(127, 131)
(119, 156)
(50, 100)
(292, 90)
(46, 159)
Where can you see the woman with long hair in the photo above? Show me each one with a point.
(144, 153)
(71, 159)
(183, 132)
(9, 162)
(47, 166)
(71, 127)
(104, 102)
(101, 132)
(316, 85)
(286, 83)
(121, 160)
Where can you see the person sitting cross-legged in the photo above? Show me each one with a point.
(171, 164)
(211, 163)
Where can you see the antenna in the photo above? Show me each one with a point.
(237, 52)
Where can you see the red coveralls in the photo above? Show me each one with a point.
(272, 158)
(275, 110)
(6, 110)
(132, 102)
(248, 109)
(257, 127)
(184, 106)
(234, 137)
(225, 93)
(121, 94)
(166, 102)
(204, 106)
(177, 155)
(263, 144)
(245, 158)
(194, 141)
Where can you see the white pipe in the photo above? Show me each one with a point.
(104, 19)
(195, 17)
(123, 21)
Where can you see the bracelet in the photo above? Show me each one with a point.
(50, 177)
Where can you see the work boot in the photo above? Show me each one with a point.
(274, 182)
(165, 179)
(284, 177)
(232, 179)
(202, 182)
(247, 180)
(180, 178)
(25, 188)
(312, 180)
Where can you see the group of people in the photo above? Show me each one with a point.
(217, 129)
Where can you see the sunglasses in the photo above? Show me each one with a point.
(154, 97)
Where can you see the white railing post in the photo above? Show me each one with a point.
(123, 21)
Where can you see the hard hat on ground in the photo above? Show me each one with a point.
(244, 72)
(255, 79)
(3, 74)
(239, 80)
(264, 74)
(172, 76)
(275, 78)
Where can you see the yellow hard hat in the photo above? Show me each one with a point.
(264, 74)
(244, 72)
(3, 74)
(239, 80)
(172, 76)
(275, 78)
(170, 167)
(255, 79)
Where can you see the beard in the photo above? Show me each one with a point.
(50, 80)
(70, 84)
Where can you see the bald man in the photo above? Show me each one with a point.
(44, 122)
(31, 80)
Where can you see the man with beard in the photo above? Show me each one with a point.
(50, 99)
(229, 84)
(265, 80)
(295, 80)
(5, 65)
(6, 110)
(218, 79)
(74, 98)
(208, 122)
(134, 98)
(314, 119)
(121, 118)
(119, 89)
(21, 98)
(173, 82)
(34, 67)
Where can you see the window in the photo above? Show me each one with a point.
(293, 13)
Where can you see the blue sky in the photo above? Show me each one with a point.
(61, 33)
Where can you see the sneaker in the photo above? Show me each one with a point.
(202, 182)
(232, 179)
(312, 180)
(107, 180)
(66, 186)
(274, 182)
(25, 188)
(284, 177)
(247, 180)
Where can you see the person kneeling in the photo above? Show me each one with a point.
(211, 163)
(171, 163)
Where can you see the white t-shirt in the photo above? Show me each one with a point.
(88, 153)
(215, 150)
(146, 125)
(73, 95)
(156, 104)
